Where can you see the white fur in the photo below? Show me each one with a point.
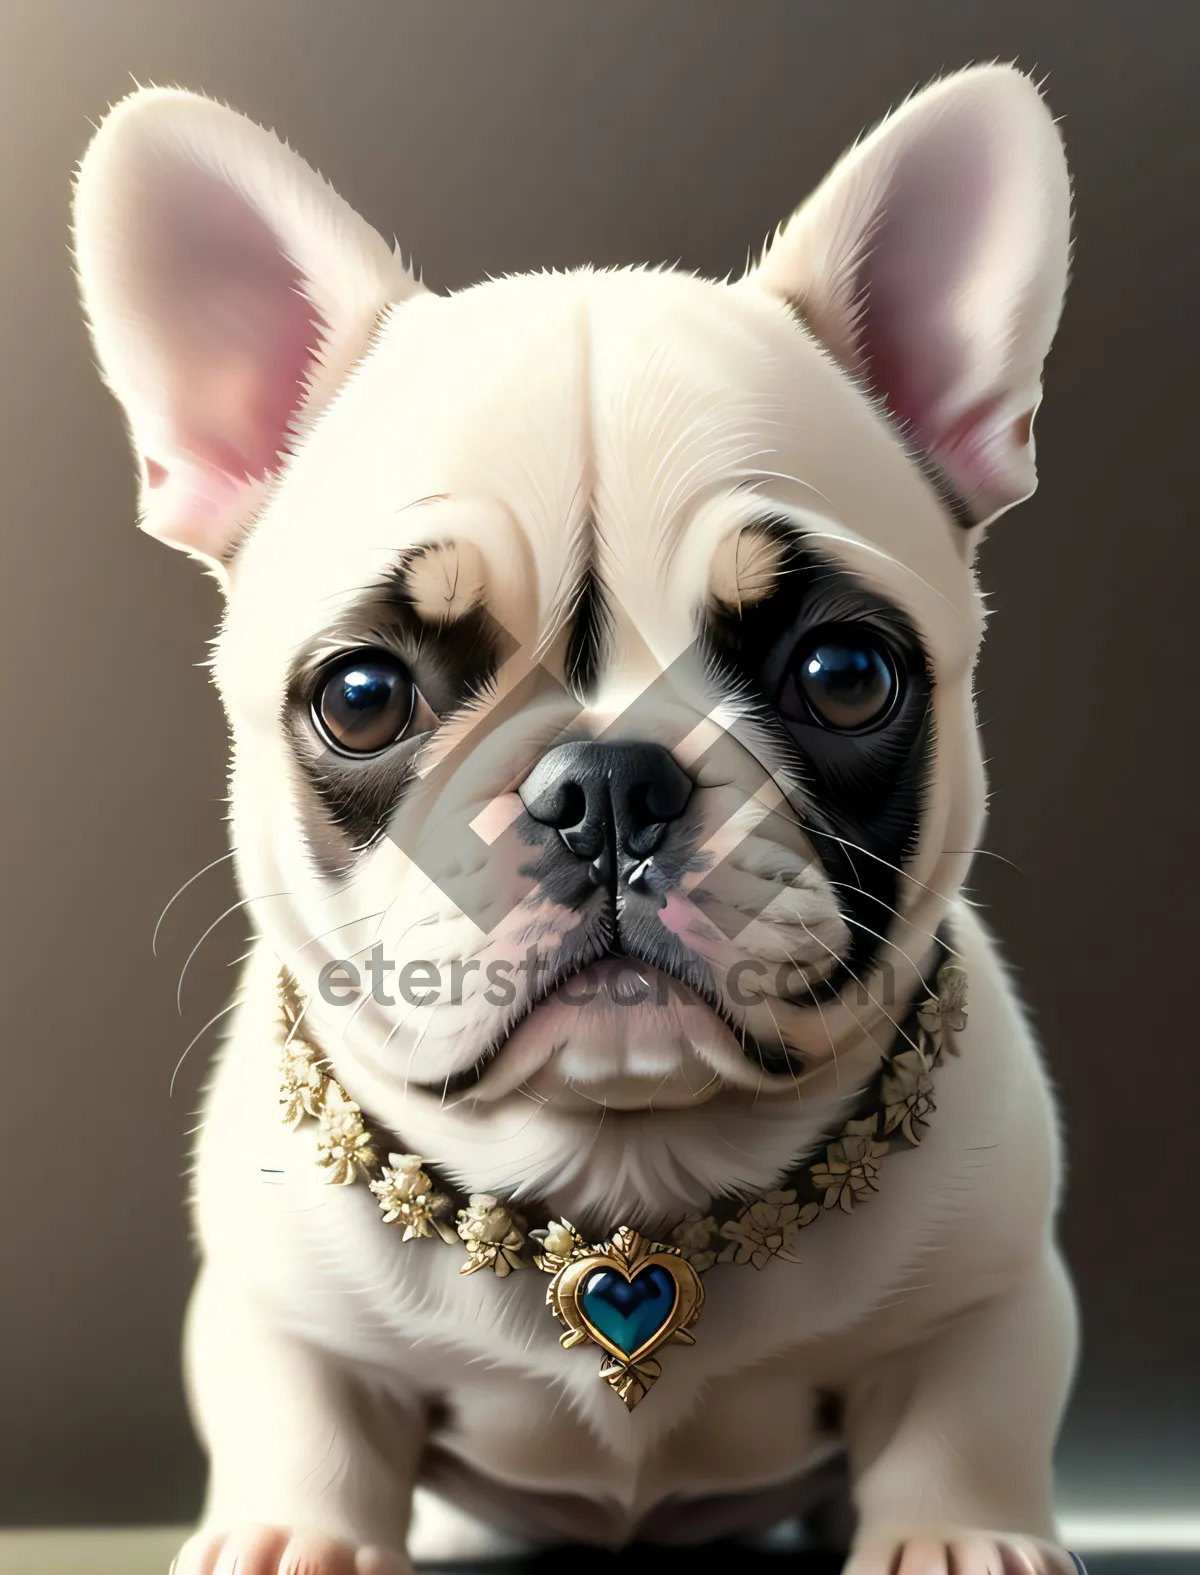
(665, 414)
(934, 259)
(188, 342)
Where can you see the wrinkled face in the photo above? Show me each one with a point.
(598, 647)
(600, 682)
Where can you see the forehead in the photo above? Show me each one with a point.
(624, 421)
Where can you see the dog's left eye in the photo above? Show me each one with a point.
(364, 702)
(841, 679)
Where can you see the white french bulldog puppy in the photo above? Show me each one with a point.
(598, 656)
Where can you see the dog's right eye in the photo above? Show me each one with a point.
(843, 681)
(364, 702)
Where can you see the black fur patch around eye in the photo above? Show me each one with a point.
(347, 802)
(864, 793)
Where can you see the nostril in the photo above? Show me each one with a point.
(598, 796)
(560, 802)
(569, 808)
(564, 807)
(642, 839)
(664, 798)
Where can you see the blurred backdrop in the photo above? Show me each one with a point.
(493, 135)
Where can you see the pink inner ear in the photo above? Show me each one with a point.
(234, 339)
(932, 264)
(976, 448)
(916, 275)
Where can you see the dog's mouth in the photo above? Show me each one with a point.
(610, 996)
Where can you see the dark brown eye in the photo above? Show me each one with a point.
(364, 702)
(843, 681)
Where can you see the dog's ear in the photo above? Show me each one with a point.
(932, 263)
(230, 290)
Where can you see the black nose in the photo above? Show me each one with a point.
(607, 798)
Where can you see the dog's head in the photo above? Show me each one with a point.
(598, 645)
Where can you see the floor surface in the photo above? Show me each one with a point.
(149, 1551)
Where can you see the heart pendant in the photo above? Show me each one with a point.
(630, 1297)
(629, 1313)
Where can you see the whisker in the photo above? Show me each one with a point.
(362, 919)
(782, 810)
(875, 935)
(841, 885)
(714, 1078)
(180, 892)
(788, 1060)
(654, 1094)
(384, 915)
(215, 1018)
(221, 917)
(876, 1003)
(816, 1000)
(987, 853)
(528, 1093)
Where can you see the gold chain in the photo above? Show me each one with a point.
(495, 1236)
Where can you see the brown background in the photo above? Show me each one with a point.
(494, 136)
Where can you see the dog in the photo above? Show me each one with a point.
(598, 653)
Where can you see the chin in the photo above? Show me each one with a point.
(619, 1091)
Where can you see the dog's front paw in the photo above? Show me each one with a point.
(272, 1550)
(955, 1552)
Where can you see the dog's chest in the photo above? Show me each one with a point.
(740, 1415)
(523, 1428)
(512, 1451)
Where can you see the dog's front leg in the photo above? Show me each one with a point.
(950, 1443)
(309, 1474)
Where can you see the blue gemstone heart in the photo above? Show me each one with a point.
(628, 1312)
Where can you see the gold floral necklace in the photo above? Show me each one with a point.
(629, 1295)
